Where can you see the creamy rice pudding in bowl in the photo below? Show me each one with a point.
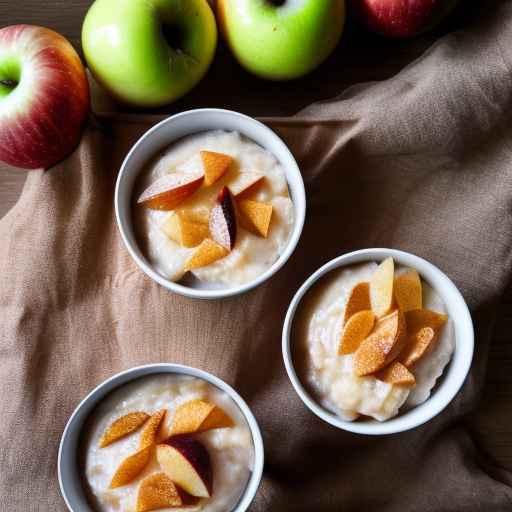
(161, 436)
(377, 341)
(210, 203)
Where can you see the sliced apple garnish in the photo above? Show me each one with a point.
(122, 427)
(157, 491)
(245, 183)
(397, 374)
(199, 416)
(381, 288)
(358, 327)
(382, 346)
(255, 216)
(149, 434)
(131, 467)
(215, 166)
(407, 290)
(187, 462)
(207, 253)
(423, 327)
(223, 220)
(185, 230)
(358, 300)
(167, 192)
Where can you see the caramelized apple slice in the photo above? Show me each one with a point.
(381, 288)
(207, 253)
(215, 166)
(122, 427)
(255, 216)
(187, 462)
(223, 220)
(358, 327)
(358, 300)
(131, 467)
(382, 346)
(397, 374)
(157, 491)
(149, 433)
(185, 230)
(407, 290)
(245, 183)
(170, 190)
(199, 416)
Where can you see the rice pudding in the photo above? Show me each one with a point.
(139, 441)
(371, 354)
(213, 207)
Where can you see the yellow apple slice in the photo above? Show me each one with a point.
(150, 431)
(215, 166)
(381, 288)
(185, 230)
(397, 374)
(187, 462)
(382, 346)
(199, 416)
(157, 491)
(122, 427)
(167, 192)
(245, 183)
(407, 290)
(357, 328)
(131, 467)
(207, 253)
(358, 300)
(255, 216)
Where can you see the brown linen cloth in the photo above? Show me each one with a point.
(421, 162)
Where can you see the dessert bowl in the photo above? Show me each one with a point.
(70, 471)
(173, 130)
(446, 386)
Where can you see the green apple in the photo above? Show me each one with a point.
(281, 39)
(149, 52)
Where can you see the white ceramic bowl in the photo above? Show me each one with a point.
(454, 374)
(174, 128)
(70, 480)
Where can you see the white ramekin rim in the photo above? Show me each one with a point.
(71, 485)
(249, 127)
(448, 384)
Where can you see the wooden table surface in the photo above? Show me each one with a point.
(355, 61)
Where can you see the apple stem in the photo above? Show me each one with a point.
(8, 82)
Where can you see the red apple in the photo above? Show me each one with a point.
(44, 97)
(401, 18)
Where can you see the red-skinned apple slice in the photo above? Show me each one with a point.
(167, 192)
(223, 220)
(187, 463)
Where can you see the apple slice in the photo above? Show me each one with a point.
(215, 166)
(397, 374)
(157, 491)
(207, 253)
(185, 230)
(170, 190)
(187, 462)
(255, 216)
(223, 220)
(149, 433)
(199, 416)
(381, 288)
(407, 290)
(358, 327)
(122, 427)
(418, 318)
(245, 183)
(131, 467)
(382, 346)
(358, 300)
